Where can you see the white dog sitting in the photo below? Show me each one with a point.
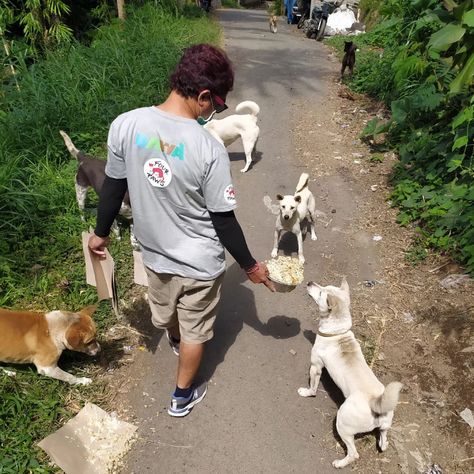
(293, 210)
(368, 403)
(243, 124)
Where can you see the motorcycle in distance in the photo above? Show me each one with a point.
(303, 7)
(316, 25)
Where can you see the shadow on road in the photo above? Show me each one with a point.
(138, 315)
(240, 156)
(238, 307)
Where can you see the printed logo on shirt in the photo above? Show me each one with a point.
(157, 172)
(154, 143)
(229, 193)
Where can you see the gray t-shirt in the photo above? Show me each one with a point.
(176, 173)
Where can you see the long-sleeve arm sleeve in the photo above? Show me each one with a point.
(232, 238)
(110, 199)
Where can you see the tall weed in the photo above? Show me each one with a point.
(81, 90)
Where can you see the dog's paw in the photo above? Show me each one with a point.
(314, 237)
(339, 463)
(306, 392)
(383, 444)
(83, 381)
(302, 260)
(274, 253)
(244, 170)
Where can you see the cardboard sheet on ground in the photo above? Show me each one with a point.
(100, 273)
(93, 442)
(139, 273)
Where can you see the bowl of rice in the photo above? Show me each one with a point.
(285, 272)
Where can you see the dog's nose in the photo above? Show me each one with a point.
(286, 217)
(95, 350)
(310, 283)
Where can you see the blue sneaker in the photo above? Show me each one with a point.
(182, 406)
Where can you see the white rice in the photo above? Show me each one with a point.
(286, 270)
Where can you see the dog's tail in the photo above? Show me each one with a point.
(248, 107)
(303, 182)
(388, 400)
(70, 146)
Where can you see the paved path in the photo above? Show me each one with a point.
(252, 420)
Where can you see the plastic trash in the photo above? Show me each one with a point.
(454, 280)
(466, 415)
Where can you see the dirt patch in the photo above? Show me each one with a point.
(411, 328)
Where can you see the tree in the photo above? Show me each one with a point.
(121, 9)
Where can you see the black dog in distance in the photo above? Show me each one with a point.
(349, 58)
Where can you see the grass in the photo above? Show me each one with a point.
(81, 90)
(231, 4)
(376, 158)
(416, 253)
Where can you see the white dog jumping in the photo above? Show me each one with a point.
(368, 403)
(293, 210)
(243, 124)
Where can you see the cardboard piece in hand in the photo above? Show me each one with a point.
(100, 273)
(139, 273)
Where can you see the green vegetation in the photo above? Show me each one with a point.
(424, 51)
(231, 4)
(81, 89)
(277, 8)
(376, 158)
(416, 253)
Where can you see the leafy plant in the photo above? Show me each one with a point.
(425, 53)
(416, 253)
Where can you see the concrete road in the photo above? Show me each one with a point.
(252, 420)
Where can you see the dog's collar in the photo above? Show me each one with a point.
(325, 334)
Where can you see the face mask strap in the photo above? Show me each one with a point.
(202, 121)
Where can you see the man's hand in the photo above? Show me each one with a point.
(259, 274)
(97, 245)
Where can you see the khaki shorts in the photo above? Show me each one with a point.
(191, 304)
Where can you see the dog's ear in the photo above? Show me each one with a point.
(333, 302)
(298, 198)
(344, 285)
(88, 310)
(279, 197)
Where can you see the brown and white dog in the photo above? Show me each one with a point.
(91, 174)
(272, 21)
(27, 337)
(368, 405)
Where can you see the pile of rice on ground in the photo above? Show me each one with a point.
(286, 270)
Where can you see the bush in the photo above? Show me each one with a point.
(425, 55)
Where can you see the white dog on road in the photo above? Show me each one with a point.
(368, 403)
(293, 210)
(243, 124)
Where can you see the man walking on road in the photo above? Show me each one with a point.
(183, 202)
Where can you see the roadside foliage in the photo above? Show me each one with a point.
(419, 60)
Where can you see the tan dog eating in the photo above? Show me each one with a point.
(28, 337)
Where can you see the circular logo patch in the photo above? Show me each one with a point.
(157, 172)
(229, 193)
